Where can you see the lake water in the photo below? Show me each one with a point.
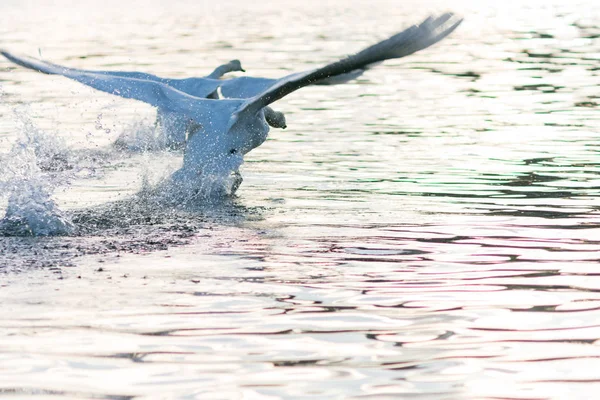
(429, 231)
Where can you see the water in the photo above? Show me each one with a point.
(429, 231)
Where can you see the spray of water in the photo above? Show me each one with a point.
(216, 181)
(30, 174)
(140, 137)
(39, 163)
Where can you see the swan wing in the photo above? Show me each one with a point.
(409, 41)
(148, 91)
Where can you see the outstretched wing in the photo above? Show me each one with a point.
(411, 40)
(153, 93)
(342, 78)
(45, 66)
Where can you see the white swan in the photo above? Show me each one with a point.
(175, 126)
(225, 130)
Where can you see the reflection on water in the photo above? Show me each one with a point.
(428, 231)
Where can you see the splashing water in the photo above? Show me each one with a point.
(141, 136)
(217, 180)
(29, 178)
(39, 163)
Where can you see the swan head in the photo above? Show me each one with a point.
(235, 65)
(274, 118)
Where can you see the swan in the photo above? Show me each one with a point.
(175, 126)
(223, 131)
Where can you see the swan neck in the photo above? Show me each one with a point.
(220, 71)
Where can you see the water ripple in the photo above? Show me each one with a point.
(428, 231)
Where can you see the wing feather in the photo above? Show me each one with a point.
(148, 91)
(409, 41)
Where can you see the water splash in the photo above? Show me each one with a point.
(141, 136)
(40, 162)
(217, 180)
(30, 175)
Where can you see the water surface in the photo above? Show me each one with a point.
(430, 230)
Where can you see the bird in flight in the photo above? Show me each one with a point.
(173, 125)
(223, 131)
